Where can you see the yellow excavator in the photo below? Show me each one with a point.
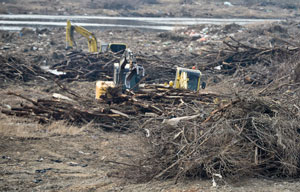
(92, 40)
(190, 79)
(127, 75)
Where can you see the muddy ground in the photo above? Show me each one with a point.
(157, 8)
(67, 157)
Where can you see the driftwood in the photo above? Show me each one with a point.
(235, 54)
(13, 68)
(87, 66)
(46, 110)
(243, 137)
(113, 107)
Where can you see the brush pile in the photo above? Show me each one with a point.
(87, 66)
(60, 108)
(13, 68)
(111, 112)
(235, 54)
(255, 132)
(244, 136)
(81, 66)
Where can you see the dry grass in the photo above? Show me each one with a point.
(21, 127)
(12, 126)
(62, 128)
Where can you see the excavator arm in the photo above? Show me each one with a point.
(128, 73)
(92, 40)
(70, 42)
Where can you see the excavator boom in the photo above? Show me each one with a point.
(92, 40)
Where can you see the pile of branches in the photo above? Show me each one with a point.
(112, 111)
(87, 66)
(242, 136)
(73, 109)
(14, 69)
(84, 66)
(236, 54)
(158, 100)
(99, 66)
(159, 68)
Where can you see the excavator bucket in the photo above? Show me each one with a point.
(127, 73)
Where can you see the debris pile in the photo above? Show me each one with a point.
(87, 66)
(12, 69)
(243, 136)
(236, 54)
(61, 108)
(248, 133)
(111, 112)
(79, 66)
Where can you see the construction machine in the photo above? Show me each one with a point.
(127, 75)
(191, 79)
(92, 40)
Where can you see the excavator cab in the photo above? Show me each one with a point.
(113, 47)
(189, 79)
(92, 40)
(127, 75)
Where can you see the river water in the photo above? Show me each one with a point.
(17, 22)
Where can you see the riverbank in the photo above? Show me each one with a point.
(157, 8)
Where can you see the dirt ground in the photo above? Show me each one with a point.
(157, 8)
(63, 157)
(60, 157)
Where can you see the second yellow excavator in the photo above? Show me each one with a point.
(92, 40)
